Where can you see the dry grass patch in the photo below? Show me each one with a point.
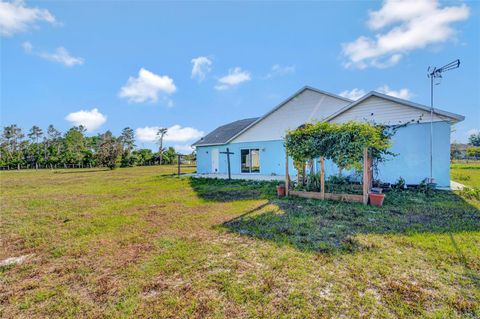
(140, 242)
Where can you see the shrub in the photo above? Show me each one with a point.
(473, 151)
(341, 143)
(313, 183)
(337, 180)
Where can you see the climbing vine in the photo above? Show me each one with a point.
(341, 143)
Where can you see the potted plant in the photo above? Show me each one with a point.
(281, 190)
(376, 199)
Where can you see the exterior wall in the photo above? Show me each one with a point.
(272, 158)
(306, 107)
(410, 143)
(384, 112)
(204, 159)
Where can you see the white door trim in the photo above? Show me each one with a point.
(215, 160)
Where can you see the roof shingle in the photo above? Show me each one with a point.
(222, 134)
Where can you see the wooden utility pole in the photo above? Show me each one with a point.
(228, 162)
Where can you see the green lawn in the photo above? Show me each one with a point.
(139, 242)
(466, 173)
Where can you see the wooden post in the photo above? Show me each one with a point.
(370, 172)
(287, 178)
(366, 176)
(178, 163)
(228, 162)
(322, 177)
(303, 173)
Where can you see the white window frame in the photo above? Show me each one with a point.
(250, 157)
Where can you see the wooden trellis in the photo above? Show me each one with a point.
(366, 186)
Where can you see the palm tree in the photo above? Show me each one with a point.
(160, 134)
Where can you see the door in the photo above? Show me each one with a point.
(250, 160)
(215, 160)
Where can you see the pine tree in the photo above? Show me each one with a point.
(109, 150)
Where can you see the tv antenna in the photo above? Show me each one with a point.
(436, 73)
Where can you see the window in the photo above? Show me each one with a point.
(250, 160)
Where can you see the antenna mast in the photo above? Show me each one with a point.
(436, 73)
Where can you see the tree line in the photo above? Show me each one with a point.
(52, 149)
(474, 149)
(468, 151)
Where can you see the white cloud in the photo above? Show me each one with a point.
(60, 55)
(27, 46)
(473, 131)
(353, 94)
(402, 93)
(147, 87)
(414, 25)
(175, 133)
(147, 134)
(234, 77)
(201, 66)
(279, 70)
(356, 93)
(91, 120)
(15, 17)
(183, 148)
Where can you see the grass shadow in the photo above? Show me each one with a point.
(331, 226)
(223, 190)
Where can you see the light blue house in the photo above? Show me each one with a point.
(258, 150)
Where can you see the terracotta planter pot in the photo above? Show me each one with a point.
(281, 190)
(376, 199)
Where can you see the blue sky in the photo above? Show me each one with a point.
(194, 66)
